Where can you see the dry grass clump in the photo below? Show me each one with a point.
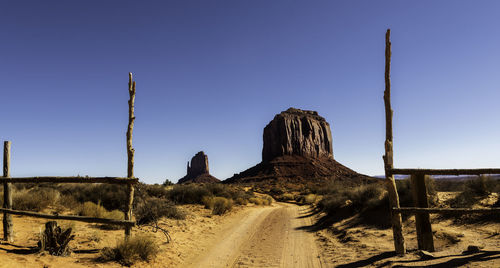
(241, 201)
(221, 205)
(128, 251)
(261, 201)
(90, 209)
(152, 209)
(34, 199)
(208, 202)
(218, 205)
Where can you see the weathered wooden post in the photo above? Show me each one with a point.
(8, 233)
(422, 219)
(397, 226)
(130, 152)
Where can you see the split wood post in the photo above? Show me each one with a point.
(397, 226)
(422, 219)
(8, 233)
(130, 152)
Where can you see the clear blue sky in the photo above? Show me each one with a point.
(211, 74)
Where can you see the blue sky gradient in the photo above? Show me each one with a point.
(211, 74)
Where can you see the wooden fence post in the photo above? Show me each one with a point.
(397, 226)
(422, 220)
(130, 152)
(8, 233)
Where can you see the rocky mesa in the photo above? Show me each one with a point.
(198, 171)
(297, 148)
(297, 132)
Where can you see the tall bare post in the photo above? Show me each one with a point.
(422, 220)
(130, 151)
(8, 233)
(397, 226)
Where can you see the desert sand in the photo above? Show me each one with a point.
(281, 235)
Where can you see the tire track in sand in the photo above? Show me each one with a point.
(266, 237)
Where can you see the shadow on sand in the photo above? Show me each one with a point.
(456, 260)
(22, 250)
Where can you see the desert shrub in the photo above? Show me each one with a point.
(287, 197)
(128, 251)
(241, 201)
(406, 196)
(167, 182)
(404, 193)
(256, 201)
(276, 191)
(221, 205)
(200, 194)
(217, 189)
(111, 196)
(187, 194)
(474, 190)
(265, 201)
(66, 202)
(151, 190)
(35, 199)
(208, 202)
(269, 200)
(153, 209)
(481, 186)
(353, 199)
(90, 209)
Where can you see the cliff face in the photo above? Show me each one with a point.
(197, 171)
(297, 132)
(199, 165)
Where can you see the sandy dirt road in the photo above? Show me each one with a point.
(264, 237)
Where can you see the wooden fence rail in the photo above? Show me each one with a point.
(451, 172)
(128, 182)
(68, 217)
(418, 187)
(108, 180)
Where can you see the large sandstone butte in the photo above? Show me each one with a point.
(297, 132)
(298, 149)
(197, 171)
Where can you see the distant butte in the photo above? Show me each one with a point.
(298, 148)
(198, 171)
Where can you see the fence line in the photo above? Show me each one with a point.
(418, 187)
(129, 182)
(108, 180)
(68, 217)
